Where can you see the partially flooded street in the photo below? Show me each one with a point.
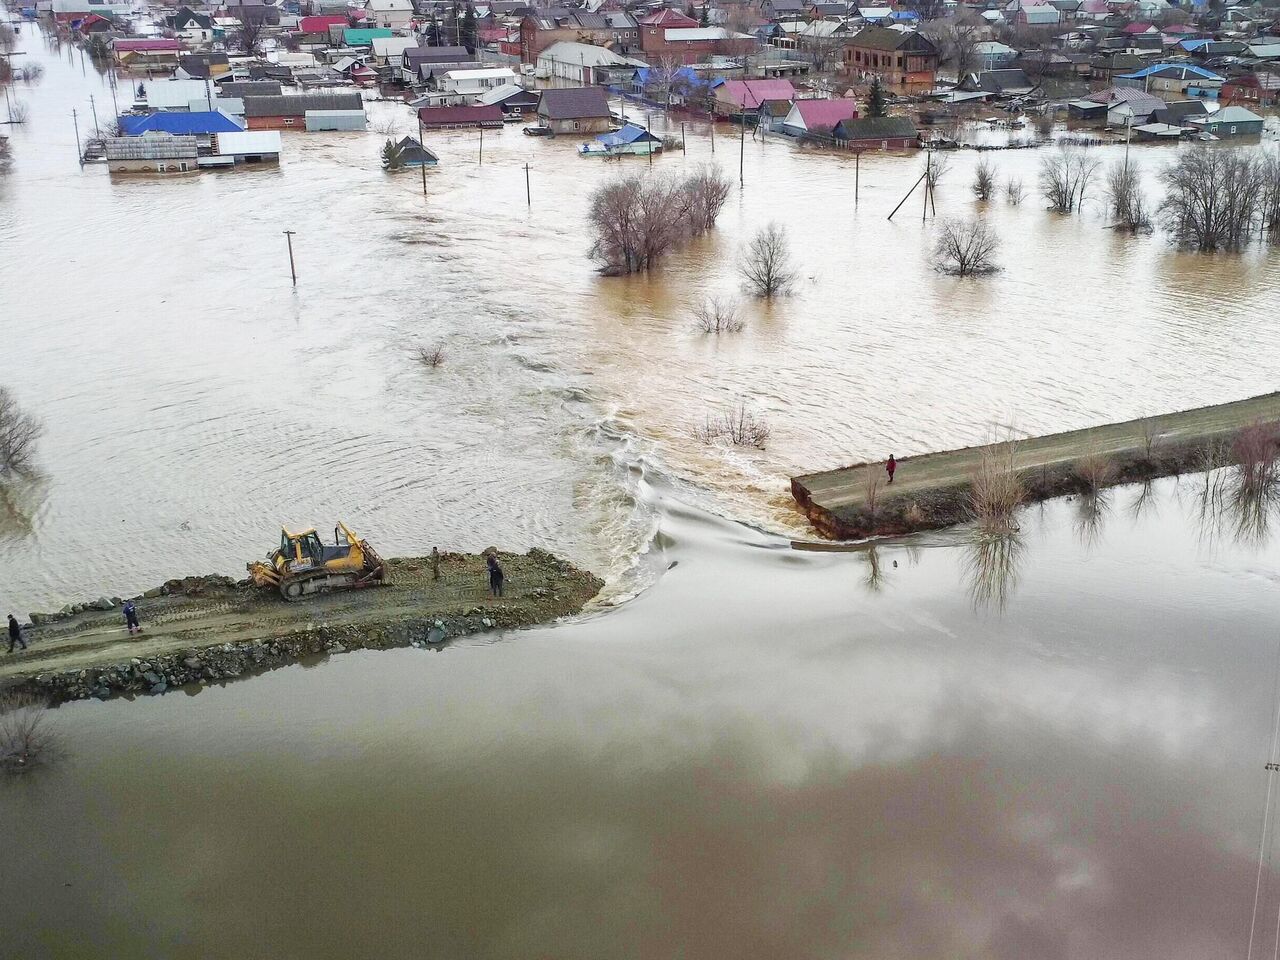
(1046, 745)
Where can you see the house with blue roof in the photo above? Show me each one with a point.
(631, 139)
(1162, 78)
(201, 124)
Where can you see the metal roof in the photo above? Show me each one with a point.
(179, 123)
(573, 103)
(248, 141)
(156, 147)
(296, 105)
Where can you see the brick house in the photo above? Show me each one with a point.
(906, 59)
(542, 28)
(1262, 89)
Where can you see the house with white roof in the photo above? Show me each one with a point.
(393, 14)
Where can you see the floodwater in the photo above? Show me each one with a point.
(1051, 747)
(770, 753)
(194, 398)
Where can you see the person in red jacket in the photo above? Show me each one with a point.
(890, 466)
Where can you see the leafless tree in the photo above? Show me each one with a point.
(664, 79)
(1065, 175)
(937, 166)
(766, 263)
(984, 180)
(1213, 197)
(702, 196)
(8, 38)
(966, 247)
(431, 356)
(252, 22)
(957, 40)
(32, 73)
(387, 126)
(18, 112)
(1127, 205)
(1271, 196)
(1014, 192)
(996, 490)
(740, 426)
(718, 315)
(19, 432)
(635, 220)
(26, 737)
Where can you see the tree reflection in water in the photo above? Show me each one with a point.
(991, 563)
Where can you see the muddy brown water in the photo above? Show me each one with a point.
(194, 398)
(767, 754)
(925, 750)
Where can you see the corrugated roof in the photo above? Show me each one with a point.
(476, 114)
(825, 114)
(876, 128)
(879, 38)
(296, 105)
(573, 103)
(752, 93)
(250, 88)
(189, 124)
(151, 148)
(248, 141)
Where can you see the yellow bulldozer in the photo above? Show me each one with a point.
(303, 565)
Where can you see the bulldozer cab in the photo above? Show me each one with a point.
(303, 550)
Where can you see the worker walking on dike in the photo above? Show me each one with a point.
(131, 617)
(495, 575)
(15, 633)
(890, 466)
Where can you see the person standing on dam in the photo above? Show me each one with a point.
(496, 575)
(15, 633)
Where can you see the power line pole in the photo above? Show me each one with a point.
(94, 108)
(79, 152)
(482, 146)
(423, 144)
(683, 146)
(288, 236)
(528, 194)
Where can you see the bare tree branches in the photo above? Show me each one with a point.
(718, 315)
(937, 165)
(966, 247)
(1065, 176)
(19, 432)
(635, 220)
(1214, 197)
(253, 20)
(739, 426)
(25, 735)
(1014, 192)
(984, 180)
(766, 263)
(1125, 201)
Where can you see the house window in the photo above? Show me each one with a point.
(1233, 129)
(288, 121)
(576, 125)
(182, 167)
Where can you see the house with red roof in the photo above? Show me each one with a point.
(316, 29)
(818, 117)
(737, 98)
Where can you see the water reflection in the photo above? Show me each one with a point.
(991, 561)
(1231, 504)
(1091, 511)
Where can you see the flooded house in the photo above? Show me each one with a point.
(574, 110)
(1229, 122)
(818, 117)
(155, 152)
(293, 111)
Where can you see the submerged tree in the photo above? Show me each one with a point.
(1213, 197)
(1065, 176)
(966, 247)
(19, 432)
(392, 156)
(636, 220)
(984, 180)
(1125, 202)
(766, 263)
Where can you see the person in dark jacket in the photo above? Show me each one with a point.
(496, 575)
(131, 617)
(890, 466)
(15, 633)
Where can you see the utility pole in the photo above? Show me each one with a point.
(928, 183)
(79, 152)
(423, 144)
(528, 194)
(288, 236)
(713, 131)
(683, 147)
(857, 175)
(742, 150)
(482, 146)
(94, 108)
